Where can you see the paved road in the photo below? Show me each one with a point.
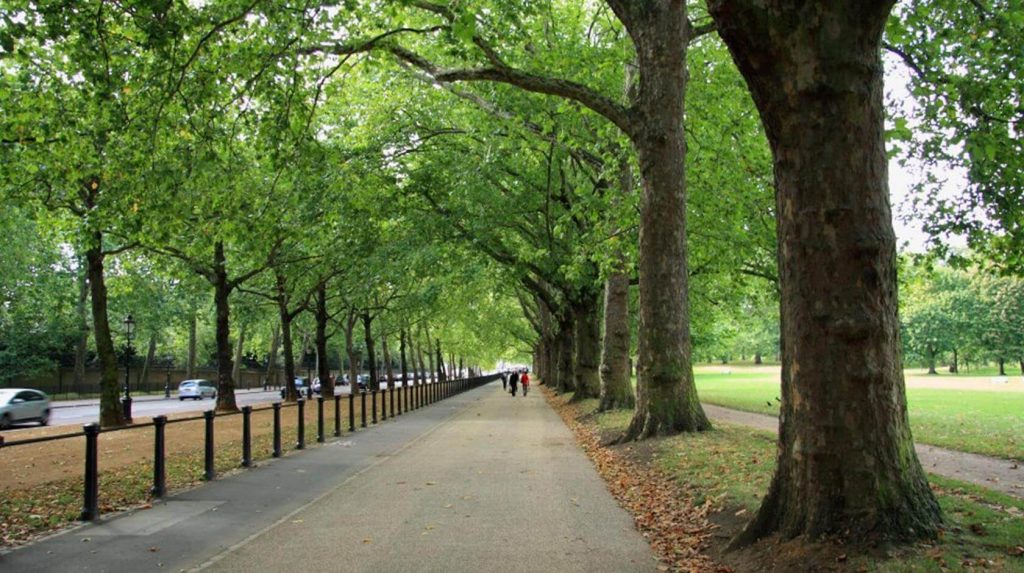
(478, 482)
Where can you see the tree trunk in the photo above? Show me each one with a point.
(190, 360)
(275, 343)
(350, 350)
(148, 364)
(287, 344)
(566, 346)
(846, 462)
(370, 353)
(1002, 366)
(111, 413)
(390, 370)
(404, 364)
(323, 367)
(587, 376)
(421, 374)
(667, 396)
(931, 361)
(81, 314)
(440, 361)
(955, 366)
(431, 373)
(221, 294)
(236, 371)
(757, 359)
(616, 385)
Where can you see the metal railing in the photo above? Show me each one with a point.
(414, 397)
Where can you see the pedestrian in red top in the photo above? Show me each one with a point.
(525, 381)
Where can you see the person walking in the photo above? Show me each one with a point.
(513, 382)
(504, 381)
(525, 379)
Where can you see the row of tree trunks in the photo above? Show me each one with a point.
(616, 382)
(587, 339)
(565, 350)
(846, 462)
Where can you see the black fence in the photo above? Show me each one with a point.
(398, 399)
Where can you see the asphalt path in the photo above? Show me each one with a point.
(478, 482)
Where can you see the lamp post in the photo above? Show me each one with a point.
(126, 403)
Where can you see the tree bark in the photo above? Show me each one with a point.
(846, 462)
(440, 361)
(404, 364)
(288, 345)
(350, 349)
(1002, 366)
(111, 413)
(955, 366)
(566, 348)
(431, 373)
(81, 314)
(387, 362)
(931, 361)
(190, 359)
(667, 396)
(616, 384)
(323, 367)
(421, 374)
(757, 359)
(221, 295)
(587, 376)
(275, 343)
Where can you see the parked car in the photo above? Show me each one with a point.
(300, 387)
(18, 405)
(197, 389)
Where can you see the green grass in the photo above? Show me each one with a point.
(989, 423)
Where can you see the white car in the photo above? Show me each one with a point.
(19, 405)
(197, 389)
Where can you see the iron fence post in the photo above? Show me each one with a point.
(337, 415)
(91, 506)
(209, 472)
(277, 429)
(300, 442)
(320, 419)
(159, 457)
(246, 436)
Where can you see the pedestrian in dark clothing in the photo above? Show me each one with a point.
(513, 381)
(504, 381)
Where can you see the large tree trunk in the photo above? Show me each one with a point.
(931, 361)
(548, 353)
(954, 367)
(566, 347)
(421, 375)
(190, 359)
(431, 373)
(440, 361)
(111, 413)
(275, 343)
(221, 295)
(616, 385)
(1002, 366)
(846, 462)
(81, 314)
(587, 376)
(404, 364)
(667, 397)
(323, 367)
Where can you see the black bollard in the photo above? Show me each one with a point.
(373, 403)
(277, 429)
(320, 419)
(246, 436)
(337, 415)
(391, 398)
(159, 457)
(209, 472)
(91, 505)
(362, 408)
(300, 443)
(401, 391)
(351, 412)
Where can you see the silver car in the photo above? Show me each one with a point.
(197, 389)
(19, 405)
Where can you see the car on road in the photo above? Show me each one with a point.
(300, 387)
(19, 405)
(197, 389)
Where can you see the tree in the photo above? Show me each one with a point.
(814, 70)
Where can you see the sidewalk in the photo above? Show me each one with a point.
(993, 473)
(481, 481)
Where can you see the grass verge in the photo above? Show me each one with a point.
(988, 423)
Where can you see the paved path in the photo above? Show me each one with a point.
(481, 481)
(993, 473)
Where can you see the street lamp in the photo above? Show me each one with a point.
(126, 403)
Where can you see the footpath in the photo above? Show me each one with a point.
(480, 481)
(1005, 476)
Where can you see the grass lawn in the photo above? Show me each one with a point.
(732, 467)
(990, 423)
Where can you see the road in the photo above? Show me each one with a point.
(78, 412)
